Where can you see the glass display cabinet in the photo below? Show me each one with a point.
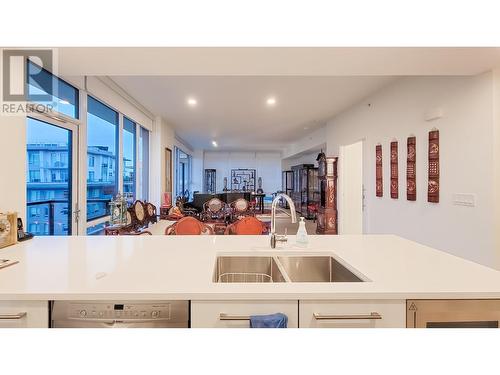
(210, 181)
(305, 193)
(286, 186)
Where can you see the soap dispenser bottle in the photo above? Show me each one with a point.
(301, 238)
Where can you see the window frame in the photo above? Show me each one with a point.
(57, 115)
(79, 207)
(135, 150)
(118, 154)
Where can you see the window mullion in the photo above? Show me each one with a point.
(137, 165)
(120, 153)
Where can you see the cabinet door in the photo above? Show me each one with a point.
(233, 314)
(352, 314)
(24, 314)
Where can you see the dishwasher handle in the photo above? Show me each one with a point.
(371, 316)
(13, 316)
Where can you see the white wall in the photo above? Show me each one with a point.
(496, 160)
(13, 173)
(266, 164)
(314, 140)
(466, 156)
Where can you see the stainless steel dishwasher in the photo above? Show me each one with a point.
(120, 314)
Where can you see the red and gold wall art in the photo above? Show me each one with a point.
(433, 184)
(394, 170)
(411, 172)
(379, 190)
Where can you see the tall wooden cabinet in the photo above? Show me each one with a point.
(327, 210)
(305, 193)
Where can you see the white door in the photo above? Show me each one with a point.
(351, 189)
(51, 177)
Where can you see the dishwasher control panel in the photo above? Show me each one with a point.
(118, 311)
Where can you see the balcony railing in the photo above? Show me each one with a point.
(58, 216)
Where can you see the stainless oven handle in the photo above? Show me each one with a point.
(371, 316)
(13, 316)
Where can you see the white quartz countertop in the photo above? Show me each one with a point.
(181, 267)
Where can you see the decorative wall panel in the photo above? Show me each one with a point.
(243, 179)
(379, 189)
(433, 184)
(394, 170)
(411, 171)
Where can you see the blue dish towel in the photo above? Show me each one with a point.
(278, 320)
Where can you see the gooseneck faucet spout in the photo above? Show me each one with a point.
(276, 237)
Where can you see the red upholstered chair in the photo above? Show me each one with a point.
(188, 226)
(246, 225)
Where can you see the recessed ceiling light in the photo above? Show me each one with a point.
(192, 102)
(214, 143)
(271, 101)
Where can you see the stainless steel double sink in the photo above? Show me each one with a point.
(281, 268)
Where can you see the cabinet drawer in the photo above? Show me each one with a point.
(352, 314)
(207, 314)
(24, 314)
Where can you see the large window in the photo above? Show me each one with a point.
(182, 173)
(64, 97)
(117, 158)
(129, 159)
(143, 164)
(102, 151)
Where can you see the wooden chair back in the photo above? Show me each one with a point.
(240, 205)
(188, 226)
(214, 205)
(246, 226)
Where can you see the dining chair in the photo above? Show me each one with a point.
(188, 226)
(247, 225)
(240, 208)
(214, 209)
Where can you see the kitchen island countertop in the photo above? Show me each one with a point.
(181, 267)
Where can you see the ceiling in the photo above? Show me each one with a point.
(232, 110)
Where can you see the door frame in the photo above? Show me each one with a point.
(73, 176)
(342, 187)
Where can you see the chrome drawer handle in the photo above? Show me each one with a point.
(12, 316)
(224, 316)
(371, 316)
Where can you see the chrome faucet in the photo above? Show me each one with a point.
(280, 237)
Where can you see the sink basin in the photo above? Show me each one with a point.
(316, 269)
(247, 269)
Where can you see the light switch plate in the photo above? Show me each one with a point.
(463, 199)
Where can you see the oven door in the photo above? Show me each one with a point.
(452, 313)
